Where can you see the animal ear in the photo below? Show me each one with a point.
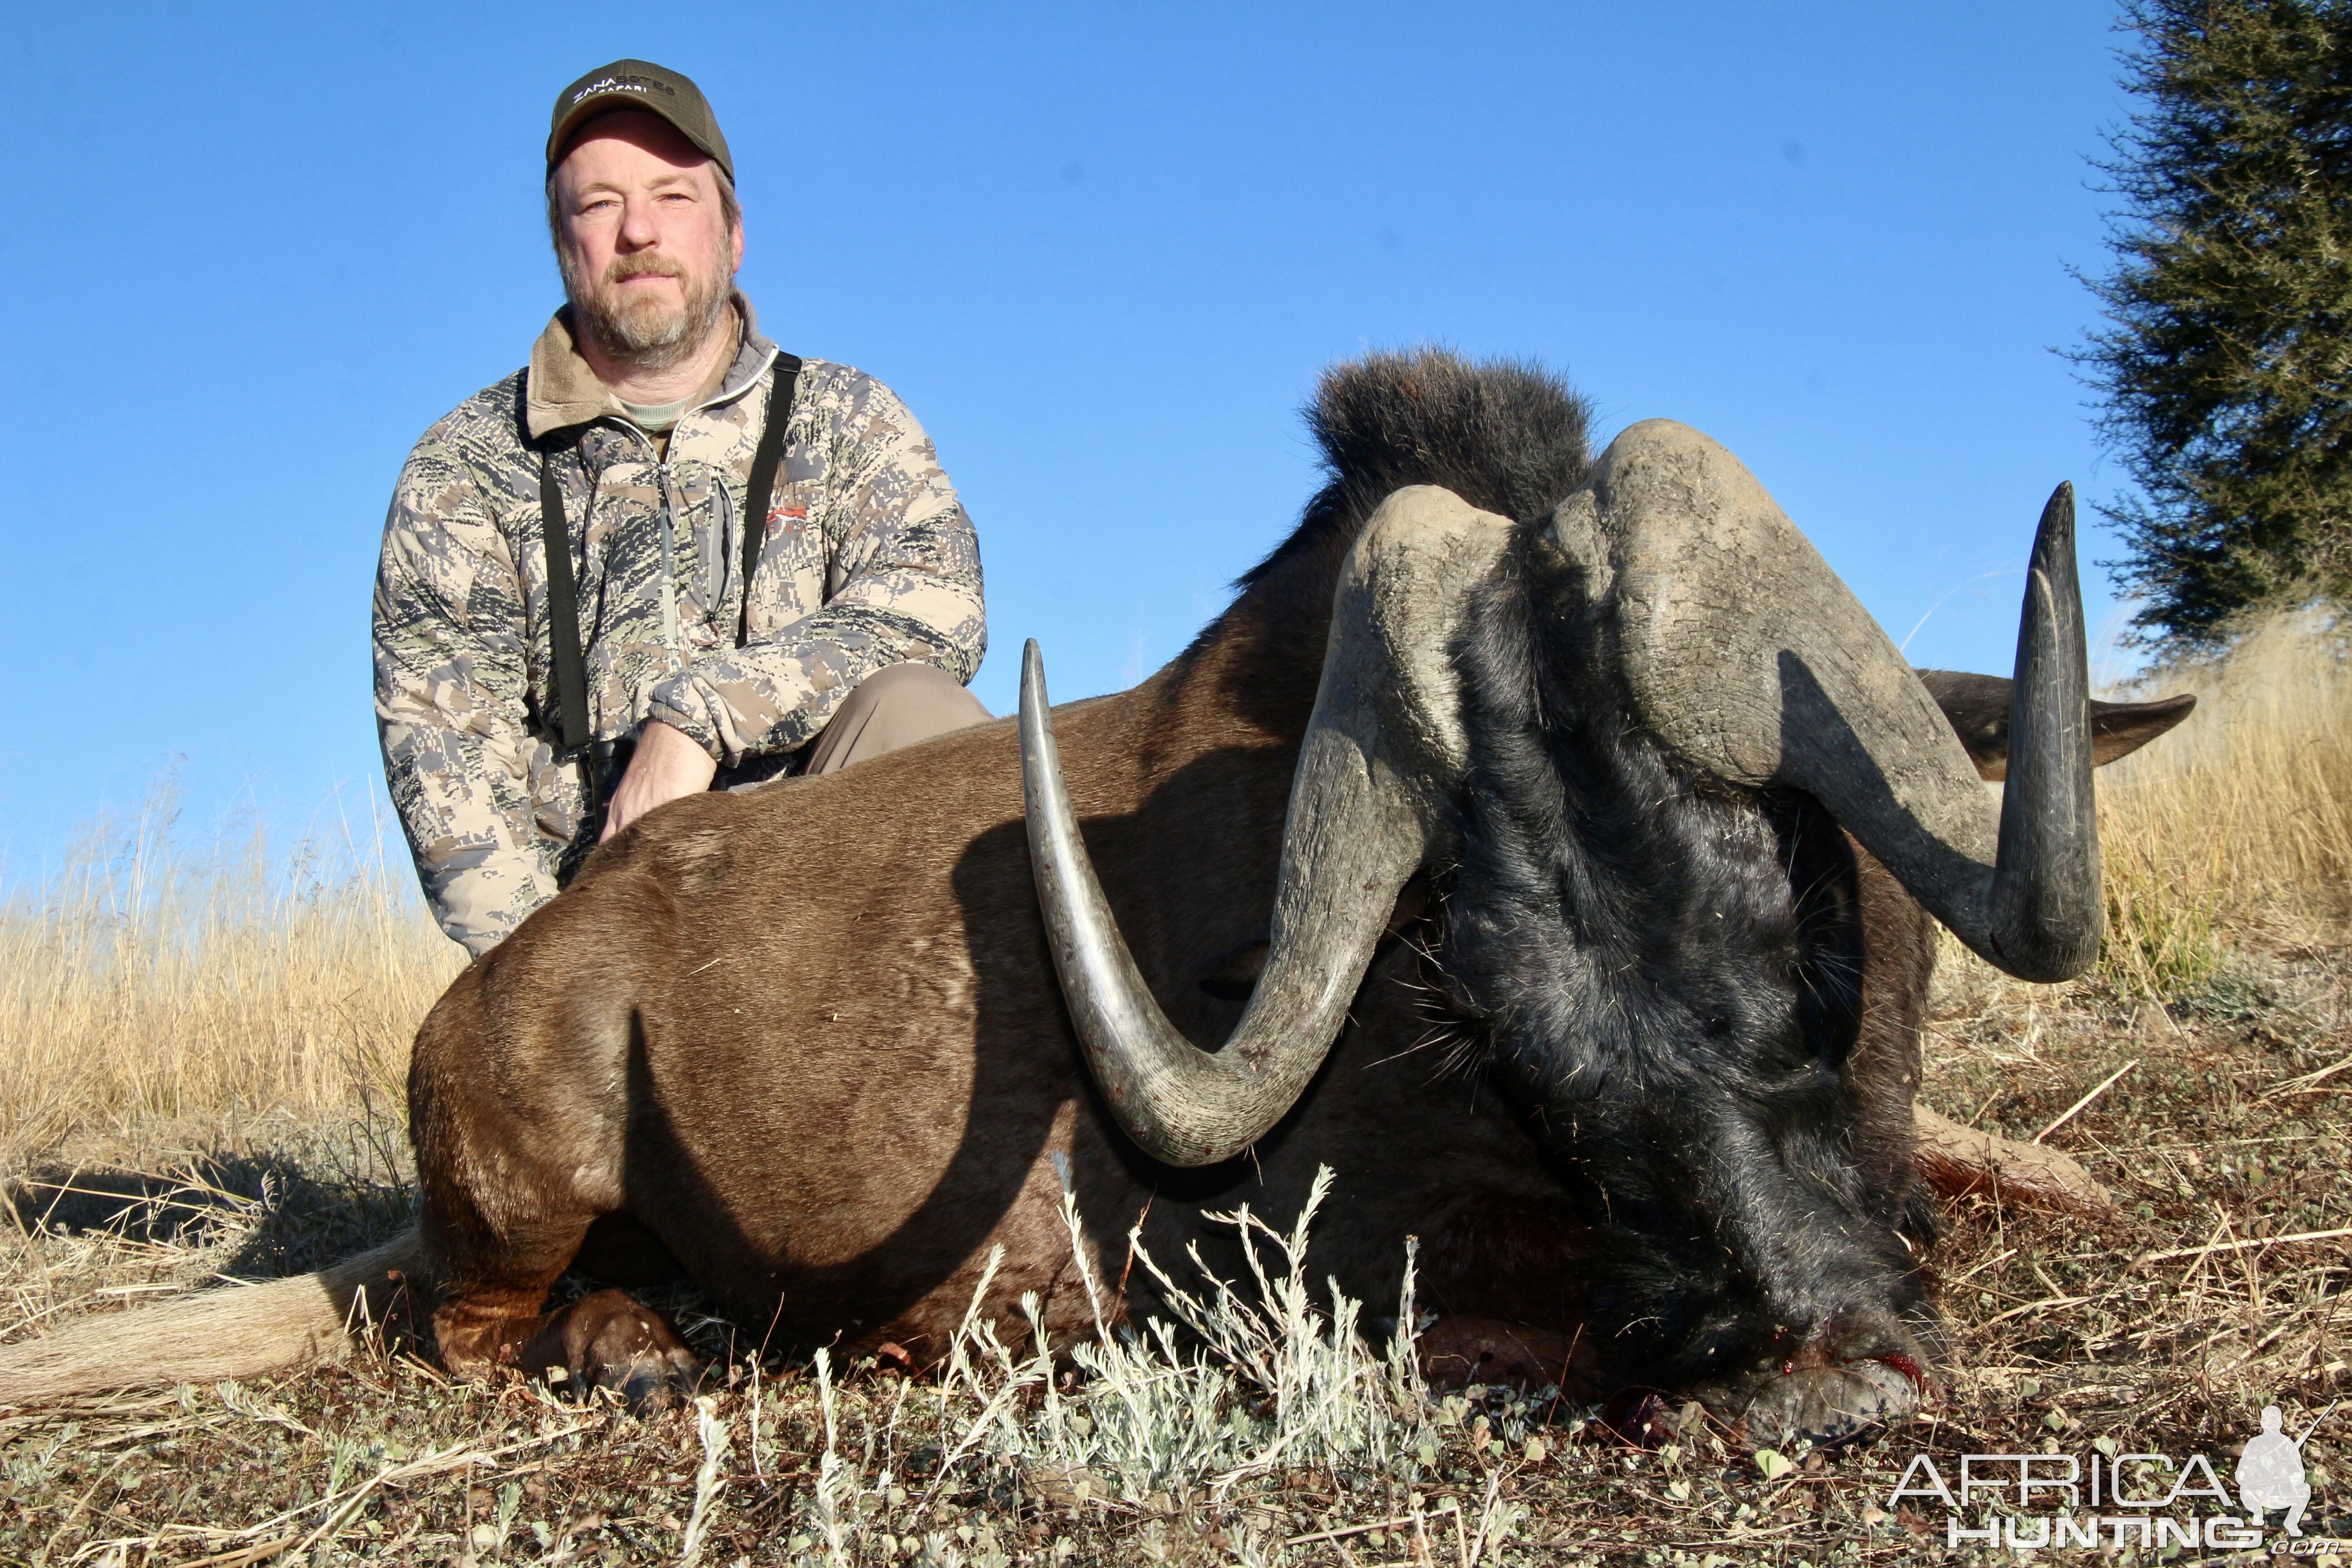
(1977, 707)
(2119, 729)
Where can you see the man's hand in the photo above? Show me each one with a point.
(665, 766)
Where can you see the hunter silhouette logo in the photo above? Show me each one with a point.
(2270, 1472)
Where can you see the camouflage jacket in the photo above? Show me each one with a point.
(869, 561)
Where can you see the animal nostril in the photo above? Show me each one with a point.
(1908, 1368)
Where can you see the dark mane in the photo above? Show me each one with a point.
(1506, 436)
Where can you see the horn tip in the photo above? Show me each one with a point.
(1032, 675)
(2060, 508)
(2053, 538)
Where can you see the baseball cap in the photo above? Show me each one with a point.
(639, 84)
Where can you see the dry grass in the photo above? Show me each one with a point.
(2237, 828)
(151, 994)
(156, 1006)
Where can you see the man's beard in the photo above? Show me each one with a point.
(647, 332)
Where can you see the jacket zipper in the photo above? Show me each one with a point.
(669, 525)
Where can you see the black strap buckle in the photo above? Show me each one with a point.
(607, 761)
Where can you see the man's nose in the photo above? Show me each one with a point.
(638, 230)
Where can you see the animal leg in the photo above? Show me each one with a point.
(491, 1312)
(518, 1103)
(1956, 1160)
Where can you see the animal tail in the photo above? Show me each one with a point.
(227, 1331)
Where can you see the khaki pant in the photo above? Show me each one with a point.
(896, 706)
(893, 708)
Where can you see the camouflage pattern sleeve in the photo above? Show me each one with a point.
(451, 690)
(904, 587)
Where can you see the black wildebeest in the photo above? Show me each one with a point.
(1602, 794)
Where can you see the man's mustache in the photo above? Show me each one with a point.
(623, 268)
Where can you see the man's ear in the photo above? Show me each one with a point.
(1977, 707)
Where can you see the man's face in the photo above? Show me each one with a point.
(644, 243)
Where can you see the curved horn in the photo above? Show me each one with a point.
(1748, 657)
(1383, 744)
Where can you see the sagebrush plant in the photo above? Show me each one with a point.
(1160, 1407)
(1256, 1388)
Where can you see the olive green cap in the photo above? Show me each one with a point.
(638, 84)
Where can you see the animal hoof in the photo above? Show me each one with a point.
(1825, 1405)
(650, 1387)
(610, 1340)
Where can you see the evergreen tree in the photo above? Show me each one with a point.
(2228, 365)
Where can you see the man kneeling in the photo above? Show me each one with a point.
(665, 557)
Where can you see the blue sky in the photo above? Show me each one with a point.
(1100, 250)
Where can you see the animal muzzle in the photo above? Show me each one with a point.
(1745, 656)
(1862, 1369)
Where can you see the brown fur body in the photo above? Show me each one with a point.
(828, 1092)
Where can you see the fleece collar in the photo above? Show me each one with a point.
(559, 389)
